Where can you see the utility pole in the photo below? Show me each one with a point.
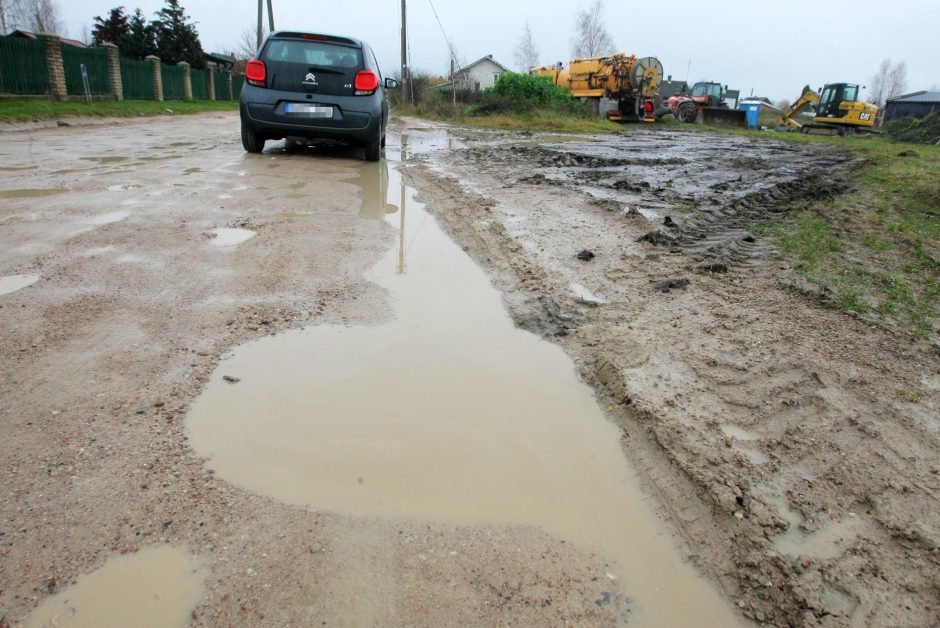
(405, 70)
(260, 24)
(261, 20)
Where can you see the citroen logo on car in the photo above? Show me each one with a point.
(310, 80)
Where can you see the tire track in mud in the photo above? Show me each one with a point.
(717, 224)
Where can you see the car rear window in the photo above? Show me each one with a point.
(314, 53)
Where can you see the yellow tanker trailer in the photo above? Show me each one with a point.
(629, 81)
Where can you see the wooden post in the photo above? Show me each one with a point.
(157, 77)
(405, 70)
(228, 85)
(187, 80)
(114, 70)
(211, 72)
(53, 44)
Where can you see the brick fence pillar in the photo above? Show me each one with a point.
(114, 70)
(157, 77)
(228, 85)
(211, 72)
(187, 80)
(53, 44)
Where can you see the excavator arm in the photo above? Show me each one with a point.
(808, 97)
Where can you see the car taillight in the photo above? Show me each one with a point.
(367, 82)
(255, 72)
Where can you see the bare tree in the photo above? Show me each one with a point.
(247, 45)
(591, 39)
(38, 16)
(527, 52)
(889, 80)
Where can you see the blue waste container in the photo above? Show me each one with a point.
(752, 110)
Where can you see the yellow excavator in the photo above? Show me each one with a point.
(838, 111)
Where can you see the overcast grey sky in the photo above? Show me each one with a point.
(772, 48)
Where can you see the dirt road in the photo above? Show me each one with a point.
(779, 442)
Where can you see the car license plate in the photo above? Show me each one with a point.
(303, 110)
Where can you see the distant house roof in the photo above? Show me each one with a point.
(65, 40)
(922, 96)
(221, 60)
(482, 60)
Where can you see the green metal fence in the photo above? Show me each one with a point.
(237, 82)
(95, 61)
(137, 78)
(172, 82)
(200, 82)
(23, 66)
(221, 86)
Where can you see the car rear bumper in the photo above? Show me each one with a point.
(355, 119)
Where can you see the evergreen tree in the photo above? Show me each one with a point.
(139, 41)
(111, 29)
(176, 38)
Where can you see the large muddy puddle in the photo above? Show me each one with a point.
(156, 587)
(448, 413)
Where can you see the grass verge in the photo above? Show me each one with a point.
(534, 121)
(16, 110)
(876, 250)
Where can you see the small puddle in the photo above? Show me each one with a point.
(448, 413)
(744, 442)
(156, 587)
(17, 168)
(586, 296)
(827, 542)
(98, 250)
(230, 237)
(32, 193)
(105, 160)
(109, 218)
(12, 283)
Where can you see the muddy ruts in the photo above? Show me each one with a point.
(725, 231)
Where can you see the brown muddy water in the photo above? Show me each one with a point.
(448, 413)
(158, 587)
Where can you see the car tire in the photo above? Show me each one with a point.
(252, 142)
(374, 147)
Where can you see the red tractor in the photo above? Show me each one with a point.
(709, 99)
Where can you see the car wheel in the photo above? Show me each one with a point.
(252, 142)
(383, 140)
(374, 147)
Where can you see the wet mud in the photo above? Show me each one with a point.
(448, 413)
(777, 441)
(800, 479)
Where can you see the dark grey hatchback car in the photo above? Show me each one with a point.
(306, 86)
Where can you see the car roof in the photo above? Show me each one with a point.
(339, 39)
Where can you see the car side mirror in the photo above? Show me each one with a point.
(391, 83)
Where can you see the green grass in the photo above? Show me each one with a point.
(16, 110)
(536, 121)
(876, 249)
